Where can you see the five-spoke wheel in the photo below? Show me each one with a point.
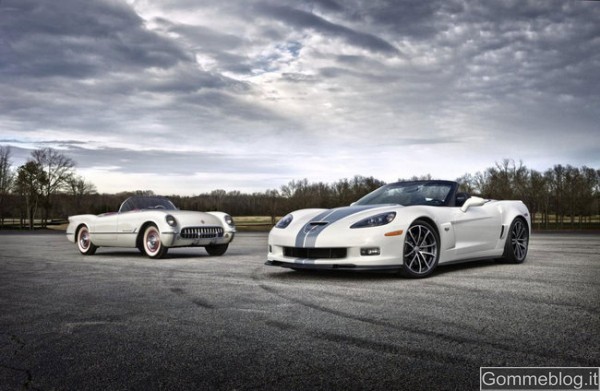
(421, 250)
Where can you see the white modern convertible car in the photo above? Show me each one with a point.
(408, 226)
(153, 225)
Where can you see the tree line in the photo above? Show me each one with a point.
(48, 188)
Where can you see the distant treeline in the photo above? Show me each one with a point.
(47, 188)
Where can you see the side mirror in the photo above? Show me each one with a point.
(473, 201)
(461, 198)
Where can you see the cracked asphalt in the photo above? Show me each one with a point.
(120, 321)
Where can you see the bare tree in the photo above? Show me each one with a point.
(30, 184)
(467, 183)
(536, 196)
(79, 188)
(6, 179)
(58, 169)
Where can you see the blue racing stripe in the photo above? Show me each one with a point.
(307, 237)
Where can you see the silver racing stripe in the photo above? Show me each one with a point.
(307, 237)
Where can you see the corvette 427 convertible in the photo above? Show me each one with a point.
(153, 225)
(406, 226)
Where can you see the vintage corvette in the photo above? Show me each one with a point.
(407, 226)
(153, 225)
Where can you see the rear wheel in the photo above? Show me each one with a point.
(421, 250)
(84, 242)
(517, 242)
(217, 249)
(153, 246)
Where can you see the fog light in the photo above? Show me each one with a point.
(370, 251)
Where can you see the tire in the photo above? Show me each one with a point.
(517, 242)
(421, 250)
(152, 244)
(217, 249)
(84, 242)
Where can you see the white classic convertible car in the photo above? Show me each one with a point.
(153, 225)
(408, 226)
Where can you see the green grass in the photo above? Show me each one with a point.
(253, 223)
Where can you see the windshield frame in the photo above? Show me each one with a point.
(146, 203)
(379, 194)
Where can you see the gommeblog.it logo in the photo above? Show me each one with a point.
(539, 378)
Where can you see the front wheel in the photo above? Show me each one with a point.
(84, 242)
(152, 244)
(517, 242)
(421, 250)
(217, 249)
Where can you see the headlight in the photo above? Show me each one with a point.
(375, 221)
(171, 220)
(229, 220)
(285, 221)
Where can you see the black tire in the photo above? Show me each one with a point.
(517, 242)
(421, 250)
(217, 249)
(153, 246)
(84, 242)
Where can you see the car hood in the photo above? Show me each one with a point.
(307, 225)
(186, 218)
(343, 215)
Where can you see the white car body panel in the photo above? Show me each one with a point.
(477, 231)
(123, 229)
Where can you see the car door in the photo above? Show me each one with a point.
(476, 230)
(104, 232)
(128, 224)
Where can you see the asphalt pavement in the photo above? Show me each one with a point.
(120, 321)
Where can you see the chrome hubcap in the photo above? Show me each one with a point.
(84, 240)
(152, 242)
(420, 249)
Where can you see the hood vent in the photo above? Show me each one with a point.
(319, 222)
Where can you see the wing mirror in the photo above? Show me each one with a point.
(473, 201)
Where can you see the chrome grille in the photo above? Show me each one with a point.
(201, 232)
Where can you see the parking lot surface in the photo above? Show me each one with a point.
(120, 321)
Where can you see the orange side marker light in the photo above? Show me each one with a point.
(394, 233)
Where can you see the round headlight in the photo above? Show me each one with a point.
(229, 220)
(171, 220)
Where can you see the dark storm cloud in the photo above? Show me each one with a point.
(202, 37)
(94, 66)
(307, 20)
(220, 46)
(76, 39)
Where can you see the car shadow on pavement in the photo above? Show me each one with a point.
(361, 275)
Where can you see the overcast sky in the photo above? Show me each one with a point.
(187, 96)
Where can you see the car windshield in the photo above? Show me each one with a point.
(139, 203)
(409, 193)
